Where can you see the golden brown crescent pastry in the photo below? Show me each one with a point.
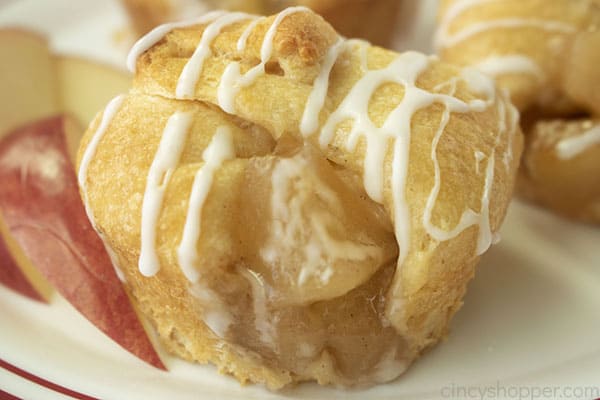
(374, 20)
(545, 53)
(529, 46)
(290, 205)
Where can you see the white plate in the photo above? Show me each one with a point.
(529, 328)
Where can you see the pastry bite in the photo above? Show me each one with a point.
(373, 20)
(145, 15)
(292, 206)
(561, 167)
(545, 54)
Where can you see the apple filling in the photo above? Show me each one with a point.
(314, 257)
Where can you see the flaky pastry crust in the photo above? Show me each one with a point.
(545, 54)
(531, 48)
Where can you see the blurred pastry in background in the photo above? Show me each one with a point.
(546, 55)
(373, 20)
(536, 49)
(561, 167)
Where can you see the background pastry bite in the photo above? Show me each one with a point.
(388, 174)
(375, 20)
(561, 167)
(544, 54)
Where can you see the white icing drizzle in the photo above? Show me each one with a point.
(267, 45)
(316, 99)
(433, 231)
(162, 168)
(262, 318)
(571, 147)
(389, 367)
(219, 150)
(193, 68)
(514, 116)
(469, 216)
(495, 66)
(215, 312)
(232, 80)
(508, 23)
(107, 116)
(114, 259)
(450, 84)
(241, 43)
(480, 84)
(404, 71)
(363, 48)
(444, 39)
(452, 12)
(156, 34)
(485, 235)
(478, 157)
(496, 238)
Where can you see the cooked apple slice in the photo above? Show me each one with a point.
(17, 265)
(28, 89)
(86, 86)
(12, 277)
(40, 202)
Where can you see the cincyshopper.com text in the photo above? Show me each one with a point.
(519, 392)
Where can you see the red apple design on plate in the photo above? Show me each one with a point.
(40, 203)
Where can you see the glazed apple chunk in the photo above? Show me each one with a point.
(317, 237)
(313, 255)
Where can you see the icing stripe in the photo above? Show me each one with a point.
(485, 236)
(267, 45)
(444, 39)
(514, 115)
(193, 68)
(165, 161)
(405, 71)
(232, 80)
(495, 66)
(241, 43)
(107, 116)
(571, 147)
(219, 150)
(508, 23)
(156, 35)
(316, 99)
